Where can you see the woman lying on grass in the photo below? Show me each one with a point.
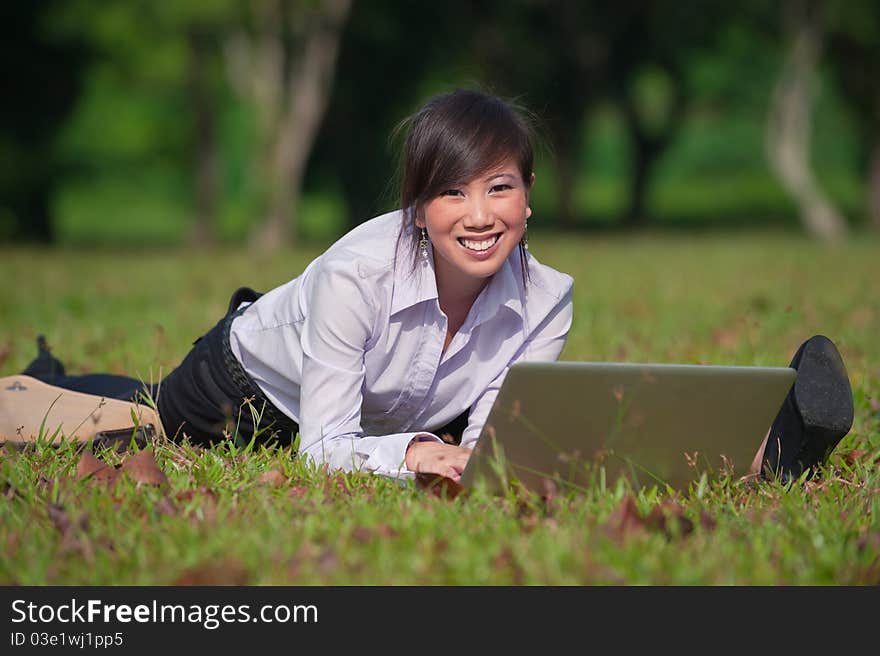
(400, 334)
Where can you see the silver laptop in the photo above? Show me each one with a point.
(558, 425)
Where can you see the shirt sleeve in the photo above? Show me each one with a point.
(335, 335)
(543, 345)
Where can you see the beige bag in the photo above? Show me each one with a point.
(31, 409)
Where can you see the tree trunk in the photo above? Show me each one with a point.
(789, 124)
(566, 173)
(202, 232)
(873, 185)
(647, 144)
(305, 95)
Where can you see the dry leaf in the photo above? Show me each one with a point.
(625, 520)
(88, 464)
(854, 456)
(226, 572)
(362, 534)
(166, 507)
(142, 467)
(439, 486)
(298, 491)
(667, 514)
(273, 477)
(59, 518)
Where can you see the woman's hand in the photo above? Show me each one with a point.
(437, 458)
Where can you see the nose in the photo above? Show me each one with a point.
(479, 216)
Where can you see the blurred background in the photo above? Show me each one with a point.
(267, 122)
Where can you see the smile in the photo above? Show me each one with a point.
(479, 246)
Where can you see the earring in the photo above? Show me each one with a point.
(525, 238)
(423, 245)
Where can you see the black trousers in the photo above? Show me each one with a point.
(210, 396)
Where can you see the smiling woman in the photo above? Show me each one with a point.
(383, 362)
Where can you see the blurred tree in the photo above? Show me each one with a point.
(789, 121)
(392, 56)
(283, 59)
(555, 55)
(854, 55)
(42, 72)
(569, 56)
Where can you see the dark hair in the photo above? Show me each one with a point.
(453, 138)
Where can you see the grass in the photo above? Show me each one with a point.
(239, 514)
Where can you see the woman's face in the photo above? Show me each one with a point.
(474, 226)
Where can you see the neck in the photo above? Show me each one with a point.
(456, 292)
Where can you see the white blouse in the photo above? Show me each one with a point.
(352, 349)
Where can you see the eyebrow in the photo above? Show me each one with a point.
(500, 175)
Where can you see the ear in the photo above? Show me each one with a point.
(532, 180)
(528, 211)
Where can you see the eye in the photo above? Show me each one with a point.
(501, 187)
(451, 192)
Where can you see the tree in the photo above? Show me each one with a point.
(285, 63)
(854, 56)
(789, 121)
(42, 79)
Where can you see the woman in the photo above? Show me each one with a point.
(403, 330)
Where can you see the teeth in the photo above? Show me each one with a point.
(479, 245)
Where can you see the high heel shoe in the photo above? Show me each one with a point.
(816, 414)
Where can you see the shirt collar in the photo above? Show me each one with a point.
(414, 287)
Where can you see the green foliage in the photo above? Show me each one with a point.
(249, 514)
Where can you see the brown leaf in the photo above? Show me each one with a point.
(666, 516)
(362, 534)
(142, 467)
(166, 506)
(298, 491)
(337, 483)
(8, 490)
(854, 456)
(59, 518)
(439, 486)
(228, 571)
(386, 532)
(88, 464)
(328, 561)
(273, 478)
(625, 521)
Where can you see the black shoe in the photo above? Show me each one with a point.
(816, 414)
(44, 367)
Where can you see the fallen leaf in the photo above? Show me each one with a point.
(228, 571)
(854, 456)
(94, 469)
(142, 467)
(166, 506)
(439, 486)
(88, 464)
(669, 518)
(362, 534)
(273, 478)
(59, 517)
(625, 520)
(298, 491)
(386, 532)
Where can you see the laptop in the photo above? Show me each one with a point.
(572, 425)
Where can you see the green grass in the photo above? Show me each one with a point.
(741, 299)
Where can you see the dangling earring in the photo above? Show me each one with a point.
(525, 238)
(423, 245)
